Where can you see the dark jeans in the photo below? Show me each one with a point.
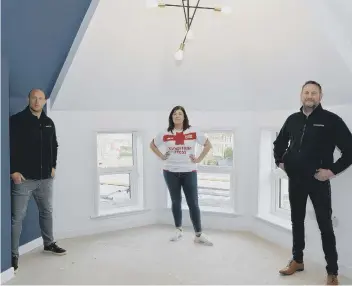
(188, 182)
(320, 195)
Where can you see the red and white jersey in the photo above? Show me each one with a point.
(180, 145)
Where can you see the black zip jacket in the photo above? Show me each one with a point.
(33, 145)
(312, 141)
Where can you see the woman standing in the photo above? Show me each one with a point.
(180, 168)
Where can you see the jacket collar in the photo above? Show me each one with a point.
(29, 112)
(318, 109)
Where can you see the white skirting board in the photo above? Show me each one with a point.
(9, 273)
(30, 246)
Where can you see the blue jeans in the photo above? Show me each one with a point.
(42, 191)
(189, 183)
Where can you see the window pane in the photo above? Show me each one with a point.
(222, 152)
(214, 189)
(115, 150)
(114, 190)
(284, 202)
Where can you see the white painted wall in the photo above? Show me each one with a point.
(76, 177)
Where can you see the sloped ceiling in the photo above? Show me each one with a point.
(36, 38)
(256, 58)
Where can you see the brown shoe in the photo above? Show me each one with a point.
(291, 268)
(332, 280)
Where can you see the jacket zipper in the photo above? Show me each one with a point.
(304, 130)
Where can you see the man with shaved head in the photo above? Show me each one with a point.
(304, 149)
(33, 153)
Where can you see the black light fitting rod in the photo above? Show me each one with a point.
(184, 11)
(190, 21)
(187, 13)
(186, 6)
(188, 18)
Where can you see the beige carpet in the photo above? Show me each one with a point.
(146, 256)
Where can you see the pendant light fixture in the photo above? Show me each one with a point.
(189, 17)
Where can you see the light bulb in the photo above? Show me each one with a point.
(179, 55)
(190, 35)
(226, 10)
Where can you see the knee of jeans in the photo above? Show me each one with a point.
(297, 220)
(46, 210)
(17, 217)
(325, 225)
(193, 205)
(327, 231)
(176, 203)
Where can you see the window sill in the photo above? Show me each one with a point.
(276, 221)
(216, 211)
(123, 211)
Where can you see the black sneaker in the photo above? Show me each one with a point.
(15, 263)
(55, 249)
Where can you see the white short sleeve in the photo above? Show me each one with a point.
(159, 139)
(201, 137)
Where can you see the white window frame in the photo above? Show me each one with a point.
(277, 174)
(222, 170)
(216, 170)
(135, 174)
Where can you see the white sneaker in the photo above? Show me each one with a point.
(203, 239)
(177, 236)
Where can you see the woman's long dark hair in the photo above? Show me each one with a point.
(171, 121)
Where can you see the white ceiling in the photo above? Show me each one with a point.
(256, 58)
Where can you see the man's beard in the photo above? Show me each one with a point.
(310, 107)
